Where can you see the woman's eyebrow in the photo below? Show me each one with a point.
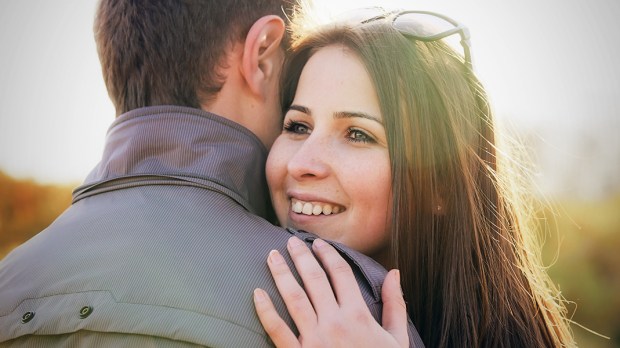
(300, 108)
(350, 114)
(338, 114)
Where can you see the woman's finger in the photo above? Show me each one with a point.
(315, 280)
(276, 328)
(343, 281)
(394, 308)
(294, 296)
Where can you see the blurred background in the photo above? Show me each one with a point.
(550, 68)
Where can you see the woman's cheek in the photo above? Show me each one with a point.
(276, 170)
(276, 164)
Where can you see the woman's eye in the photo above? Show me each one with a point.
(357, 135)
(296, 127)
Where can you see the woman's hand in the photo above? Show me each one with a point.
(326, 316)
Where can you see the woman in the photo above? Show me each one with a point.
(389, 147)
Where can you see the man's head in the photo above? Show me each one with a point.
(178, 52)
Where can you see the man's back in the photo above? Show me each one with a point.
(159, 247)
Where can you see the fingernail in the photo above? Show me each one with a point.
(275, 258)
(319, 243)
(259, 295)
(397, 275)
(295, 242)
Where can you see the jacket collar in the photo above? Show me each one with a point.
(181, 145)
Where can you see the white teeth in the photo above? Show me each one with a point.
(317, 210)
(308, 208)
(327, 209)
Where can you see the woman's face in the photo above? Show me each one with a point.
(329, 170)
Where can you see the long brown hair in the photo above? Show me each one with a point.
(460, 236)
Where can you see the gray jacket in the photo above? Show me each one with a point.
(162, 246)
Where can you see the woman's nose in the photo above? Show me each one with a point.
(311, 160)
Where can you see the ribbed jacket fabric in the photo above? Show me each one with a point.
(162, 246)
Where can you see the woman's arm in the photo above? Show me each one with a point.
(329, 314)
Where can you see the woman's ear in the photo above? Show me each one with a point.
(262, 54)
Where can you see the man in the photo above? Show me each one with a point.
(166, 241)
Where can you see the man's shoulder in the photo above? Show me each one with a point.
(140, 271)
(134, 269)
(368, 272)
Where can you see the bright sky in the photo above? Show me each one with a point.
(549, 66)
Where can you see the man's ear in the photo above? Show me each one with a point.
(262, 57)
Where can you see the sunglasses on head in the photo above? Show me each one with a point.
(419, 25)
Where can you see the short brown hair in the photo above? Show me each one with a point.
(156, 52)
